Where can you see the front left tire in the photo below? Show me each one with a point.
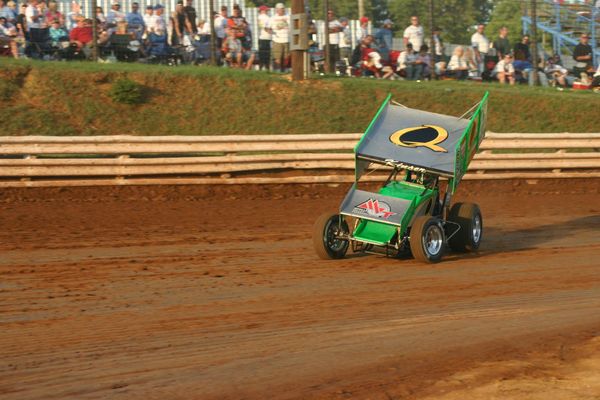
(326, 236)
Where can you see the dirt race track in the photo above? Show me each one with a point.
(215, 293)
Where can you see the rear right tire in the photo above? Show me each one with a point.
(468, 217)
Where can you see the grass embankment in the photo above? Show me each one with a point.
(40, 98)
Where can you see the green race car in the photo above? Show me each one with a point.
(412, 211)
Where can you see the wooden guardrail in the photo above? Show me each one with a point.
(237, 159)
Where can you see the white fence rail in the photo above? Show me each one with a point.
(318, 158)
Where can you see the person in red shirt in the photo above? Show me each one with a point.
(82, 34)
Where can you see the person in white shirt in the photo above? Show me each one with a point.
(345, 40)
(148, 19)
(220, 22)
(363, 31)
(115, 15)
(158, 24)
(280, 29)
(264, 38)
(33, 15)
(505, 71)
(414, 34)
(481, 46)
(334, 38)
(458, 66)
(8, 33)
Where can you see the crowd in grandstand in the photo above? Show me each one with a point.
(38, 30)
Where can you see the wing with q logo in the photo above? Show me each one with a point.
(422, 139)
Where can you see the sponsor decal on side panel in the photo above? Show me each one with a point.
(374, 208)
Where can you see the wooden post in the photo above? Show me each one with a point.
(213, 33)
(432, 49)
(534, 49)
(361, 8)
(297, 55)
(326, 46)
(94, 32)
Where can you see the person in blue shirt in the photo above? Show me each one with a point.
(384, 39)
(135, 21)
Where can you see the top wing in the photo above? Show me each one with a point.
(415, 138)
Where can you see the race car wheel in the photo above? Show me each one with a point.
(427, 239)
(326, 240)
(468, 217)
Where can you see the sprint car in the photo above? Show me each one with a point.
(427, 154)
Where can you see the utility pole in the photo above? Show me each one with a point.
(534, 49)
(299, 35)
(94, 32)
(213, 33)
(327, 66)
(432, 48)
(361, 8)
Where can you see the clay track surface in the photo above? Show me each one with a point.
(216, 293)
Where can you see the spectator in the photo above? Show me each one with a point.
(148, 19)
(438, 51)
(220, 22)
(502, 44)
(53, 14)
(41, 6)
(345, 40)
(240, 26)
(596, 80)
(5, 12)
(423, 63)
(33, 15)
(158, 21)
(471, 63)
(100, 17)
(21, 22)
(135, 21)
(555, 71)
(280, 26)
(335, 27)
(522, 52)
(8, 34)
(414, 34)
(359, 51)
(407, 63)
(458, 66)
(203, 30)
(9, 11)
(58, 34)
(115, 15)
(81, 37)
(264, 38)
(363, 30)
(190, 13)
(232, 48)
(384, 40)
(180, 25)
(74, 15)
(583, 58)
(481, 46)
(505, 71)
(370, 59)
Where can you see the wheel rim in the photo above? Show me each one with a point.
(433, 240)
(476, 228)
(331, 238)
